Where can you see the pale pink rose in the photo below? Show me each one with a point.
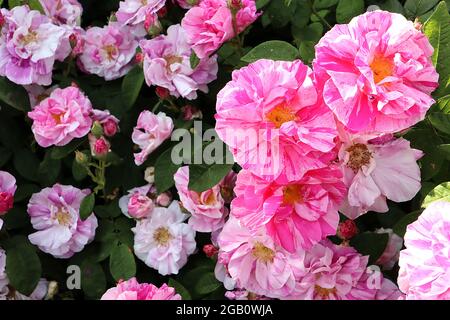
(108, 52)
(424, 264)
(138, 203)
(133, 290)
(7, 189)
(60, 118)
(296, 214)
(331, 272)
(255, 262)
(376, 72)
(210, 24)
(55, 214)
(377, 172)
(110, 123)
(151, 130)
(390, 255)
(134, 12)
(163, 241)
(167, 65)
(6, 293)
(29, 45)
(273, 120)
(207, 208)
(63, 12)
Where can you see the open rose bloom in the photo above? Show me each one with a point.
(29, 46)
(376, 72)
(62, 117)
(167, 65)
(296, 214)
(132, 290)
(210, 24)
(424, 264)
(55, 214)
(108, 52)
(273, 120)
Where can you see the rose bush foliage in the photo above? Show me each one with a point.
(354, 92)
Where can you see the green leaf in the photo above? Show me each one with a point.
(180, 289)
(312, 32)
(87, 206)
(16, 218)
(24, 191)
(427, 141)
(207, 283)
(347, 9)
(164, 171)
(416, 8)
(93, 279)
(371, 244)
(79, 172)
(439, 193)
(49, 170)
(36, 5)
(445, 148)
(400, 226)
(111, 210)
(131, 86)
(301, 15)
(443, 104)
(27, 164)
(324, 4)
(121, 263)
(14, 95)
(274, 50)
(261, 3)
(307, 51)
(204, 177)
(440, 121)
(437, 29)
(64, 151)
(22, 265)
(278, 14)
(14, 3)
(5, 155)
(194, 60)
(393, 6)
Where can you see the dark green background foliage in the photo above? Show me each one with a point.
(288, 29)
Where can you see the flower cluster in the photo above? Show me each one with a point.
(314, 146)
(312, 142)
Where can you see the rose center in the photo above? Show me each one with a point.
(162, 236)
(324, 292)
(382, 67)
(280, 114)
(262, 253)
(359, 156)
(171, 59)
(29, 38)
(111, 51)
(292, 194)
(63, 217)
(57, 117)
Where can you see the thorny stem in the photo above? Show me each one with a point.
(314, 11)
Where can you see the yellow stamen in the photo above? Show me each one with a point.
(280, 114)
(162, 236)
(262, 253)
(359, 156)
(382, 67)
(292, 194)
